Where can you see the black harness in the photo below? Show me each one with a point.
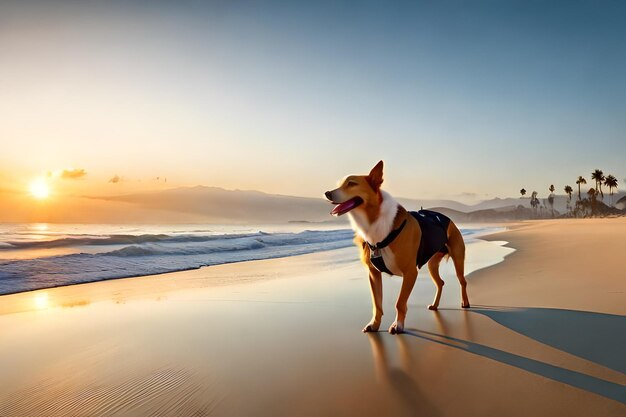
(434, 227)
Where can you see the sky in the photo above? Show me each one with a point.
(464, 100)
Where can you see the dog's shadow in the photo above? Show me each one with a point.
(398, 379)
(596, 337)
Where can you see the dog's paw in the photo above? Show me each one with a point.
(371, 327)
(432, 307)
(396, 328)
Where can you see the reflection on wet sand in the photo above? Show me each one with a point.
(399, 380)
(461, 324)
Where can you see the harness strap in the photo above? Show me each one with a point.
(376, 256)
(379, 264)
(390, 238)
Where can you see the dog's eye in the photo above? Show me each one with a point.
(351, 183)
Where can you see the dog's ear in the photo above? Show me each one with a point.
(375, 177)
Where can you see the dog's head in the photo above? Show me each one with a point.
(356, 190)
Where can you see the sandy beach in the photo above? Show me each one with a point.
(546, 336)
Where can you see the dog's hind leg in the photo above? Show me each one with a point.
(433, 268)
(456, 248)
(459, 265)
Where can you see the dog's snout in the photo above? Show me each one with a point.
(329, 195)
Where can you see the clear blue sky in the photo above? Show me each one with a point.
(462, 99)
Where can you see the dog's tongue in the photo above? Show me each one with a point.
(345, 207)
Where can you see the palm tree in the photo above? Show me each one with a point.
(611, 182)
(551, 198)
(580, 180)
(522, 192)
(568, 190)
(598, 176)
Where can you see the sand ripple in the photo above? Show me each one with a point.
(164, 392)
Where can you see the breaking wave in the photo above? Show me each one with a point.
(148, 254)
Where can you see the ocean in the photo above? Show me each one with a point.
(37, 255)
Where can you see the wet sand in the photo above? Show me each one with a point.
(546, 337)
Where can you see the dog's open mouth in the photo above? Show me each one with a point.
(346, 206)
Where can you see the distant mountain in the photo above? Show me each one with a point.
(221, 205)
(560, 201)
(502, 214)
(416, 204)
(214, 204)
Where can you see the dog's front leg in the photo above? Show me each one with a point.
(408, 281)
(376, 288)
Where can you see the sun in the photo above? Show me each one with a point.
(39, 189)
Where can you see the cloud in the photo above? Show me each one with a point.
(115, 179)
(73, 174)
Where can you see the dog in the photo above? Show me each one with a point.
(397, 242)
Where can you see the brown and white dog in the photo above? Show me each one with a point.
(374, 214)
